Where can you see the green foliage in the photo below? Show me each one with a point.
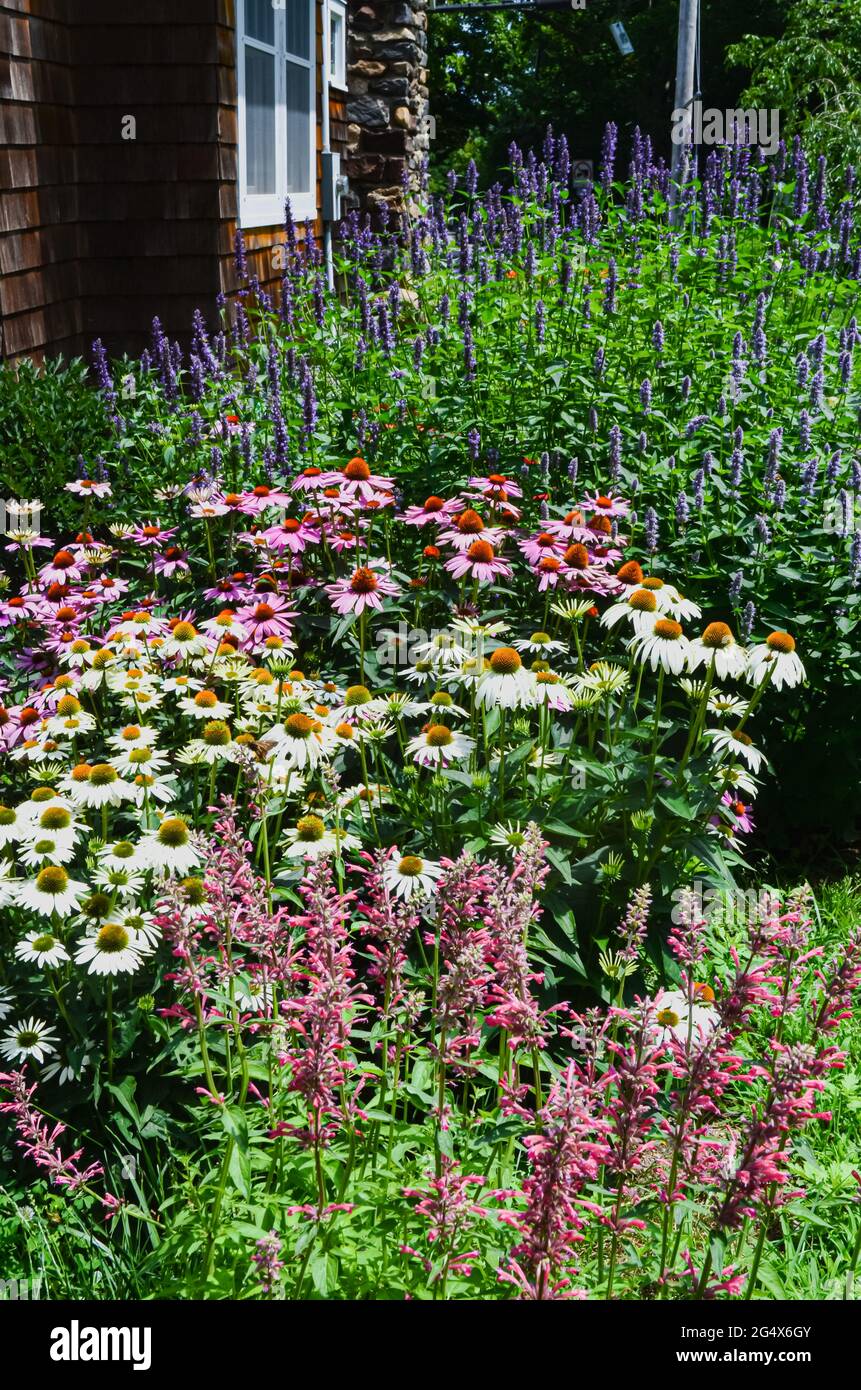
(811, 73)
(47, 416)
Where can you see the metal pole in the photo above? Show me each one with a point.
(685, 93)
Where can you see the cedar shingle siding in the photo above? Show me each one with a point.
(99, 233)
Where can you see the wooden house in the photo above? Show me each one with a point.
(137, 135)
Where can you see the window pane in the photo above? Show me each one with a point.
(260, 20)
(337, 33)
(260, 121)
(298, 130)
(298, 28)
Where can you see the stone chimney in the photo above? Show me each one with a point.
(387, 110)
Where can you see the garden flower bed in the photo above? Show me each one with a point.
(381, 745)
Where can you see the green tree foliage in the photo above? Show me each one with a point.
(812, 74)
(498, 77)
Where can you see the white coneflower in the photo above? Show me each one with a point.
(205, 705)
(109, 951)
(185, 641)
(421, 673)
(442, 705)
(359, 705)
(665, 646)
(134, 760)
(254, 995)
(46, 849)
(738, 743)
(69, 719)
(571, 609)
(605, 678)
(302, 741)
(51, 891)
(549, 689)
(179, 682)
(720, 702)
(216, 745)
(738, 780)
(6, 1003)
(717, 648)
(639, 609)
(409, 876)
(169, 848)
(99, 668)
(776, 654)
(505, 682)
(310, 839)
(539, 644)
(133, 736)
(671, 601)
(677, 1017)
(103, 786)
(124, 881)
(71, 1070)
(439, 745)
(508, 835)
(29, 1038)
(400, 705)
(145, 786)
(14, 824)
(141, 926)
(42, 948)
(121, 854)
(442, 650)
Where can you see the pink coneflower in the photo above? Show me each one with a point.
(262, 496)
(172, 561)
(606, 506)
(356, 482)
(18, 610)
(571, 527)
(234, 588)
(434, 510)
(152, 534)
(269, 616)
(544, 543)
(742, 820)
(310, 480)
(479, 562)
(549, 570)
(89, 487)
(208, 509)
(106, 589)
(468, 527)
(495, 487)
(292, 535)
(363, 589)
(63, 569)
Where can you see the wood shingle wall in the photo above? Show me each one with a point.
(100, 232)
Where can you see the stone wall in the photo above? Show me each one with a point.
(387, 111)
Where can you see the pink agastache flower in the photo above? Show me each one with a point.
(38, 1141)
(513, 909)
(448, 1207)
(565, 1155)
(388, 924)
(320, 1020)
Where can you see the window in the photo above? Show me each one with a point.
(276, 58)
(338, 43)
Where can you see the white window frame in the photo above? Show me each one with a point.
(337, 66)
(267, 209)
